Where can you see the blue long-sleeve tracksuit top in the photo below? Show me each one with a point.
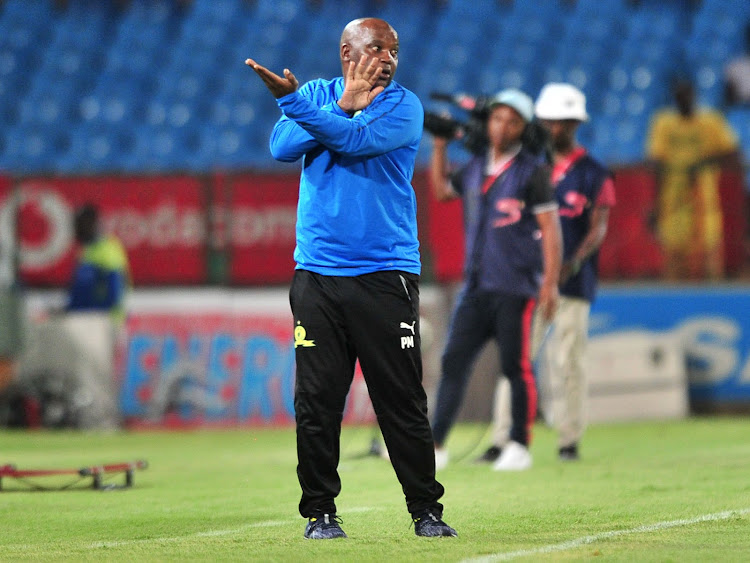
(357, 211)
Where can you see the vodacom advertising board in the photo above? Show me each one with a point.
(168, 225)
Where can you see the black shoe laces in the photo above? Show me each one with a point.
(326, 520)
(422, 516)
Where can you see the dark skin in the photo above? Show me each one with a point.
(563, 139)
(504, 129)
(86, 224)
(369, 58)
(684, 100)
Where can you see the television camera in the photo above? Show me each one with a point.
(473, 132)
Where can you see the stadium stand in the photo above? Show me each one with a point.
(160, 85)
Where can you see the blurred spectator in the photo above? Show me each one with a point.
(67, 366)
(585, 193)
(101, 275)
(513, 255)
(737, 76)
(686, 147)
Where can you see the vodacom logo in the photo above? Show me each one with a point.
(45, 232)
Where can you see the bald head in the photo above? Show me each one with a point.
(355, 30)
(374, 38)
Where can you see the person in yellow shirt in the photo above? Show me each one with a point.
(687, 146)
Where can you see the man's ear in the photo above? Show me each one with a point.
(346, 52)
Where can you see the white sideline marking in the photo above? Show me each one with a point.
(578, 542)
(216, 533)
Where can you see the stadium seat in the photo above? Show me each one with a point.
(154, 64)
(33, 149)
(739, 119)
(613, 10)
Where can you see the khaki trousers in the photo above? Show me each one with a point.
(563, 386)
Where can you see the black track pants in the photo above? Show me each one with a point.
(477, 318)
(373, 318)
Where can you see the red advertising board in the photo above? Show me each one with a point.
(160, 221)
(631, 249)
(168, 225)
(734, 206)
(445, 237)
(240, 229)
(261, 211)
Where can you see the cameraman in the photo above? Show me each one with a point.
(585, 193)
(513, 256)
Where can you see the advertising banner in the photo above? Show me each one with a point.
(630, 250)
(216, 368)
(237, 229)
(711, 327)
(195, 357)
(260, 213)
(160, 221)
(445, 238)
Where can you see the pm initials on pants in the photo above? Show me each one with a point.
(407, 342)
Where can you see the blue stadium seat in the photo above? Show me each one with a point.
(709, 85)
(33, 149)
(178, 72)
(233, 147)
(28, 11)
(739, 8)
(612, 9)
(216, 10)
(739, 120)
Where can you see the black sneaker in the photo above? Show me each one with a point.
(324, 527)
(429, 525)
(492, 453)
(569, 453)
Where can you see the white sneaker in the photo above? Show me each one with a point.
(515, 457)
(441, 458)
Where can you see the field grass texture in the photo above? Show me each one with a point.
(647, 491)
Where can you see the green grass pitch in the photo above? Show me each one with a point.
(655, 491)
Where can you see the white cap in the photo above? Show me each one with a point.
(517, 100)
(558, 100)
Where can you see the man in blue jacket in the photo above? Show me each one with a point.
(101, 276)
(355, 292)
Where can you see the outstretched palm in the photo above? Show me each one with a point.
(277, 85)
(360, 79)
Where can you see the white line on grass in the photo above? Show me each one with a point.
(585, 540)
(214, 533)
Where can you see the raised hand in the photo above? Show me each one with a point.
(277, 85)
(359, 90)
